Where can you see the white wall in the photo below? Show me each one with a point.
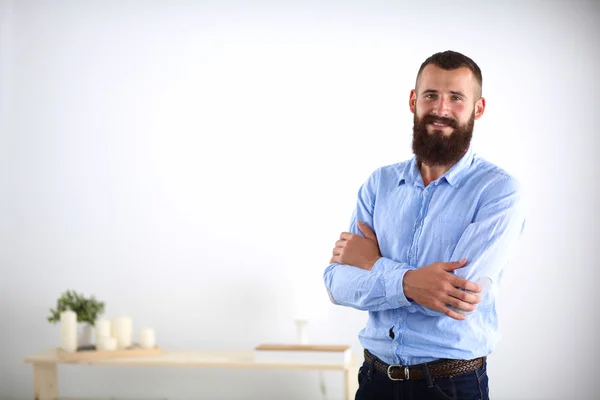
(192, 164)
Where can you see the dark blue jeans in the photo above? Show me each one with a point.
(374, 385)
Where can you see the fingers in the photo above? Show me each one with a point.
(451, 266)
(459, 304)
(337, 255)
(465, 284)
(465, 297)
(339, 248)
(449, 312)
(338, 252)
(364, 229)
(453, 314)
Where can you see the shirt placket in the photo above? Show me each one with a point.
(397, 343)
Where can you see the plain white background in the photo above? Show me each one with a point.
(192, 164)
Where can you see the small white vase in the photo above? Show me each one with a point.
(85, 334)
(301, 330)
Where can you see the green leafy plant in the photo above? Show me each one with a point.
(87, 309)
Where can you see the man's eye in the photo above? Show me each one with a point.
(456, 98)
(430, 96)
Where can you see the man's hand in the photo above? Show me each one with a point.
(434, 286)
(355, 250)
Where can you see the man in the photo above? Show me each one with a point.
(423, 233)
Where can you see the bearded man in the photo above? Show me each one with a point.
(428, 242)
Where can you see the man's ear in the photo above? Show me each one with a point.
(412, 101)
(479, 107)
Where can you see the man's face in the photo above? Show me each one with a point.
(445, 104)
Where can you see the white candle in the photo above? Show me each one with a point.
(147, 338)
(301, 330)
(102, 327)
(68, 330)
(106, 343)
(122, 329)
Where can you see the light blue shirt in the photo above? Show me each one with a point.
(474, 211)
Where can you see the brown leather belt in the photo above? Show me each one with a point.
(437, 369)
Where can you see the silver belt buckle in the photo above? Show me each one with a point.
(406, 374)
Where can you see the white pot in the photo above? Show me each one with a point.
(85, 334)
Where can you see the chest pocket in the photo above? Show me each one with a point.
(446, 233)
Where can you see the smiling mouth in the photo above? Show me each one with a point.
(439, 125)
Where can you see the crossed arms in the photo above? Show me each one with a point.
(360, 277)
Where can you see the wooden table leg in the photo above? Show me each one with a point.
(350, 381)
(45, 382)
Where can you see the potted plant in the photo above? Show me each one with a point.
(87, 309)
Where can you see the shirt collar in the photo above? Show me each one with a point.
(410, 173)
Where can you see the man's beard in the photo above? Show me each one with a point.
(436, 148)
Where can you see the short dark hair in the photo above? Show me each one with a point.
(449, 60)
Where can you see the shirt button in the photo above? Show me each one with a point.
(395, 344)
(418, 223)
(400, 319)
(425, 192)
(410, 255)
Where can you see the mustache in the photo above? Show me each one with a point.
(430, 119)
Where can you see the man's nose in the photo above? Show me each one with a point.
(439, 107)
